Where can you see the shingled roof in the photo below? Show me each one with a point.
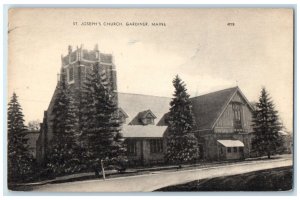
(150, 131)
(207, 108)
(134, 104)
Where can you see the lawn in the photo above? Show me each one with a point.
(279, 179)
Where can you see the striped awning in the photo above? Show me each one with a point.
(231, 143)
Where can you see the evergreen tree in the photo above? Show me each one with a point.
(101, 126)
(20, 161)
(64, 146)
(266, 126)
(182, 145)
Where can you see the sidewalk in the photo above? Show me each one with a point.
(146, 170)
(159, 179)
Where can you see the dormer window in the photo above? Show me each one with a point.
(122, 116)
(149, 120)
(147, 117)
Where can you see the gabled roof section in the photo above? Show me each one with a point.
(209, 107)
(133, 104)
(145, 113)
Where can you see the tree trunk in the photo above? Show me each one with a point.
(269, 155)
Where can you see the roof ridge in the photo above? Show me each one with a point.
(144, 95)
(217, 91)
(236, 87)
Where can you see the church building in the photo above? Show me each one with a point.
(223, 118)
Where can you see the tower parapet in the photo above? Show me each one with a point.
(76, 64)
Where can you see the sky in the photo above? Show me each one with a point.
(210, 49)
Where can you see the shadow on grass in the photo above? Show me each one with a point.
(279, 179)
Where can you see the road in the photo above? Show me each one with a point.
(159, 179)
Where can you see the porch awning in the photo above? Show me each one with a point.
(231, 143)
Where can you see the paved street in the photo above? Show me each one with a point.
(159, 179)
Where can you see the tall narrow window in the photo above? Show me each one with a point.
(228, 149)
(131, 147)
(237, 120)
(156, 145)
(71, 74)
(234, 149)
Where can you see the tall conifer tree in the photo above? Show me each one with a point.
(64, 153)
(20, 161)
(182, 145)
(266, 126)
(101, 126)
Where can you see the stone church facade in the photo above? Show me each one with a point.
(223, 118)
(75, 66)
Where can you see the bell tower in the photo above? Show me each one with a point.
(77, 64)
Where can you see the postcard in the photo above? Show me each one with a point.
(150, 99)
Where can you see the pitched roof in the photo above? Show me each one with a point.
(149, 131)
(144, 114)
(207, 108)
(133, 104)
